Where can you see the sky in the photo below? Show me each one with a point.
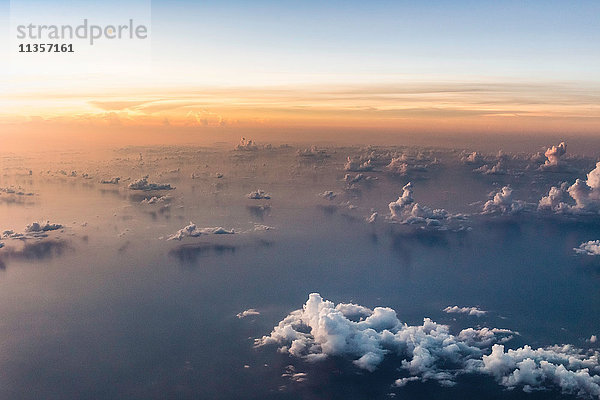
(228, 68)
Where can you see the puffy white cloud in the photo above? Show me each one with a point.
(429, 351)
(553, 155)
(402, 166)
(312, 152)
(465, 310)
(156, 200)
(398, 166)
(262, 228)
(357, 178)
(485, 336)
(321, 329)
(246, 145)
(192, 230)
(472, 158)
(258, 195)
(247, 313)
(584, 194)
(503, 203)
(42, 227)
(556, 200)
(562, 366)
(591, 248)
(358, 165)
(33, 230)
(497, 169)
(405, 210)
(143, 184)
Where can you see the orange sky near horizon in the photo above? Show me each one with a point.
(406, 106)
(328, 70)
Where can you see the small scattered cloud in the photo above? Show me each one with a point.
(258, 194)
(143, 184)
(465, 310)
(112, 181)
(406, 211)
(351, 180)
(591, 248)
(358, 165)
(372, 218)
(312, 153)
(192, 230)
(247, 313)
(553, 157)
(328, 194)
(17, 191)
(156, 200)
(32, 231)
(293, 375)
(497, 169)
(262, 228)
(495, 166)
(473, 158)
(503, 203)
(246, 145)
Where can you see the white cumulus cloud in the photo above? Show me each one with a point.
(358, 165)
(553, 155)
(33, 230)
(429, 351)
(503, 203)
(591, 248)
(247, 313)
(192, 230)
(258, 195)
(143, 184)
(405, 210)
(582, 197)
(465, 310)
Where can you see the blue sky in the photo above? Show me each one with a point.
(459, 64)
(553, 40)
